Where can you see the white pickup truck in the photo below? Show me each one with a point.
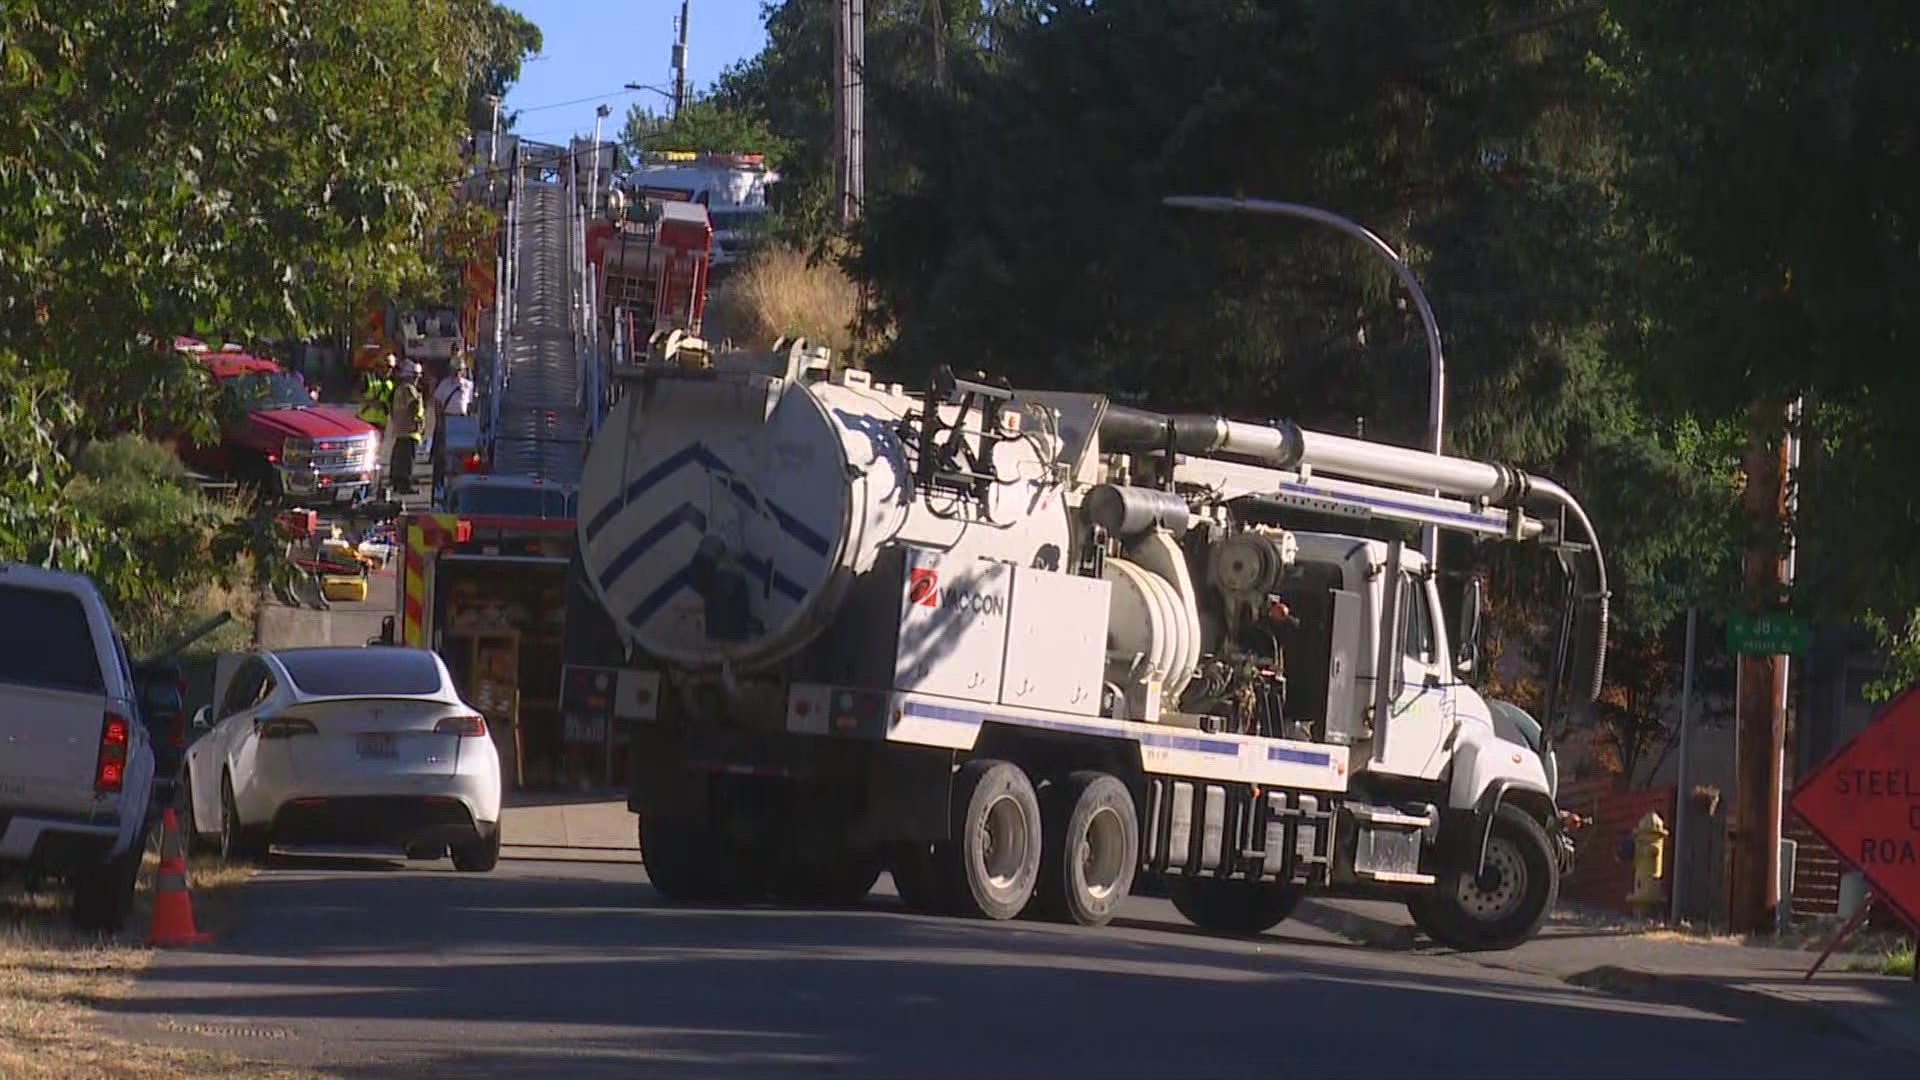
(76, 762)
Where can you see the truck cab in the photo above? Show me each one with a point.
(274, 433)
(1435, 706)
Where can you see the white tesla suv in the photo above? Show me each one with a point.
(357, 746)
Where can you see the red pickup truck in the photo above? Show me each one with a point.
(273, 433)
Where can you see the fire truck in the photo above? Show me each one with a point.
(649, 260)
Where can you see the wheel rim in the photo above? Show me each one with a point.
(1499, 888)
(1103, 853)
(1003, 842)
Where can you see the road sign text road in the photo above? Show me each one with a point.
(1864, 801)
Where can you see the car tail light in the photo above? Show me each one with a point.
(285, 727)
(110, 768)
(471, 463)
(471, 727)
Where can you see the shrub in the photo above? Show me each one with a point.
(781, 293)
(173, 554)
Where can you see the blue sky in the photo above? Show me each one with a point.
(593, 47)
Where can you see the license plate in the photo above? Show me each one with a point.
(377, 746)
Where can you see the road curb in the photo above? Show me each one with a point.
(1360, 929)
(1715, 996)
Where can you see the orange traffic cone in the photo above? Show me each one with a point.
(172, 904)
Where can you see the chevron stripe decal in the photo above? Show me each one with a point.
(698, 453)
(687, 514)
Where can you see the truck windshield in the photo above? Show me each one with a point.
(255, 390)
(735, 220)
(513, 501)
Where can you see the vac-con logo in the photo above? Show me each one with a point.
(923, 589)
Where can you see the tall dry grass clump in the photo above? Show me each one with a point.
(778, 294)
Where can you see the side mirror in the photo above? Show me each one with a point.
(203, 718)
(1466, 644)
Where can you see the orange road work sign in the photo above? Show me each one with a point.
(1864, 801)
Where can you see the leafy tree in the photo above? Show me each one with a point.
(1774, 177)
(705, 125)
(179, 165)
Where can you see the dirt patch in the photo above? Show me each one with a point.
(52, 977)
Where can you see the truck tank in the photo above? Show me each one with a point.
(726, 511)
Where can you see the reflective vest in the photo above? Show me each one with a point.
(376, 400)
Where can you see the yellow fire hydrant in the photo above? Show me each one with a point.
(1649, 860)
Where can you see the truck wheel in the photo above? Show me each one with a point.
(994, 860)
(1233, 907)
(1092, 849)
(1506, 903)
(683, 864)
(103, 895)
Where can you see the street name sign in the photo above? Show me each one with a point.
(1767, 635)
(1864, 801)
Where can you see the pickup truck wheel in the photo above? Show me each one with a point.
(1507, 901)
(103, 895)
(686, 865)
(238, 843)
(997, 838)
(1092, 849)
(1232, 907)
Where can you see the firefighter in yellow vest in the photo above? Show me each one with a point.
(408, 417)
(376, 397)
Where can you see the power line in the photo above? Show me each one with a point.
(576, 101)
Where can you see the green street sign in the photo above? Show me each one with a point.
(1767, 635)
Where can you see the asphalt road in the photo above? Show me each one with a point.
(370, 967)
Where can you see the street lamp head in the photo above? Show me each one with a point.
(602, 112)
(668, 94)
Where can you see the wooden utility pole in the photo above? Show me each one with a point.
(1760, 719)
(849, 109)
(680, 61)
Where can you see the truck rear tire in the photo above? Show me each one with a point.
(994, 859)
(1092, 849)
(683, 863)
(1233, 907)
(103, 894)
(1506, 902)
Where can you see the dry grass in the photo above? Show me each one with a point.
(52, 977)
(777, 294)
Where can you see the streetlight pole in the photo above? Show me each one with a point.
(1436, 360)
(593, 177)
(493, 139)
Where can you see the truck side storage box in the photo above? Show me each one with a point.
(1056, 642)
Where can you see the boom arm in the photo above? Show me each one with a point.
(1285, 445)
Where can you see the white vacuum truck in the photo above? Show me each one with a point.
(1035, 648)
